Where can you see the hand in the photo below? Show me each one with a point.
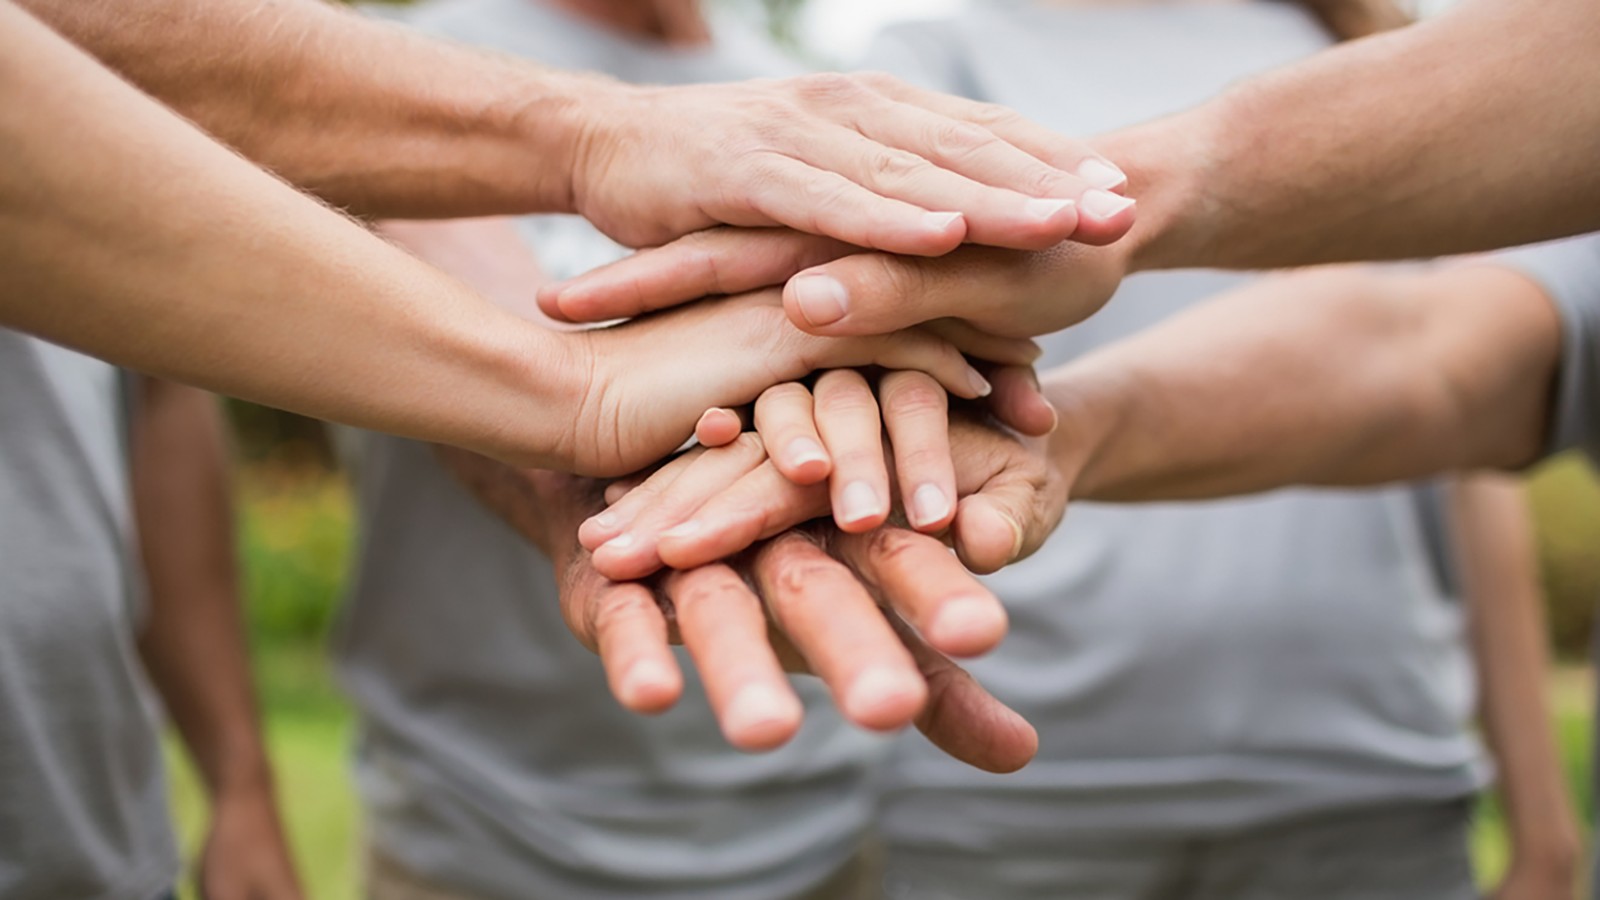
(645, 384)
(1555, 881)
(800, 603)
(712, 503)
(863, 158)
(834, 289)
(245, 856)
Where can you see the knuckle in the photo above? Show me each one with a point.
(891, 545)
(879, 81)
(958, 139)
(790, 392)
(991, 115)
(913, 396)
(828, 87)
(892, 166)
(797, 576)
(924, 459)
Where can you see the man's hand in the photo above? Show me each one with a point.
(862, 158)
(801, 603)
(246, 856)
(834, 289)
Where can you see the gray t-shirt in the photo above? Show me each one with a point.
(492, 757)
(84, 814)
(1569, 272)
(1201, 665)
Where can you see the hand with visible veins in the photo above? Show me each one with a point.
(804, 602)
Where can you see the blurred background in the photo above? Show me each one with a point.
(296, 537)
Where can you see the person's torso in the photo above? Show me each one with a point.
(1206, 664)
(85, 812)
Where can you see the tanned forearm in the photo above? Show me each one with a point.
(193, 643)
(370, 116)
(128, 234)
(1411, 375)
(1467, 132)
(1493, 537)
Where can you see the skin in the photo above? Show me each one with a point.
(193, 642)
(1420, 165)
(317, 94)
(247, 287)
(897, 602)
(1493, 534)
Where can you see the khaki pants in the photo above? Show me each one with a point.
(389, 880)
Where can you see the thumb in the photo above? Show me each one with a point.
(1003, 522)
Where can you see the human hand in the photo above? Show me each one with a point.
(802, 602)
(864, 158)
(246, 856)
(711, 503)
(1557, 880)
(834, 289)
(642, 386)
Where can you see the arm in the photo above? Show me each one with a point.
(385, 122)
(1493, 535)
(126, 233)
(1470, 131)
(1325, 377)
(193, 644)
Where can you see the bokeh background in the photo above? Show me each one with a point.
(296, 538)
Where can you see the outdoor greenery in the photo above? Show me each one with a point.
(296, 536)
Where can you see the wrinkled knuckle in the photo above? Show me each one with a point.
(914, 396)
(829, 88)
(801, 576)
(890, 545)
(991, 115)
(957, 139)
(896, 166)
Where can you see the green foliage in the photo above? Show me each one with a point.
(295, 531)
(1566, 506)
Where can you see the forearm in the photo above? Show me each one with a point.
(1493, 536)
(126, 233)
(368, 115)
(193, 644)
(1467, 132)
(1329, 377)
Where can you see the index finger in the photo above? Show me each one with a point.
(706, 263)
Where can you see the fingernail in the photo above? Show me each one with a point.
(684, 529)
(980, 384)
(1101, 174)
(605, 520)
(1045, 209)
(620, 542)
(929, 505)
(939, 221)
(804, 451)
(644, 675)
(968, 624)
(1103, 204)
(858, 502)
(758, 706)
(821, 299)
(879, 687)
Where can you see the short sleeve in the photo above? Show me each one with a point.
(1569, 272)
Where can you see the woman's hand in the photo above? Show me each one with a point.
(643, 385)
(862, 158)
(834, 289)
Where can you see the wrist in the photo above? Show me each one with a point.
(1087, 414)
(1169, 164)
(552, 116)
